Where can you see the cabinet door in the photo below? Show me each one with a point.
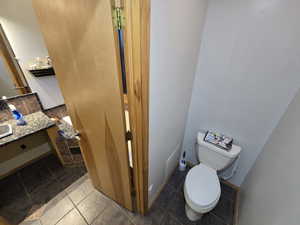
(82, 44)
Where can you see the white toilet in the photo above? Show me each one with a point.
(202, 186)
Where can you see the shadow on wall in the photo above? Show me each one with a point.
(273, 181)
(247, 74)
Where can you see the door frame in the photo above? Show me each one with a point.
(137, 58)
(12, 64)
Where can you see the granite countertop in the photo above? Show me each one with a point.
(35, 122)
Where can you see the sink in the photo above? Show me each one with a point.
(5, 130)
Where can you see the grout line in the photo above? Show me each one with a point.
(81, 214)
(64, 216)
(219, 218)
(173, 216)
(80, 200)
(75, 206)
(101, 213)
(24, 186)
(52, 174)
(127, 216)
(215, 215)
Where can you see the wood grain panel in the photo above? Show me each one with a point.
(3, 221)
(52, 134)
(137, 34)
(81, 42)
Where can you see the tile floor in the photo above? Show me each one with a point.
(29, 189)
(80, 204)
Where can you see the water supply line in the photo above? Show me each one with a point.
(234, 169)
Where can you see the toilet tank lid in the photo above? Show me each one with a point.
(232, 153)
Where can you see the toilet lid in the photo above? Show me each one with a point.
(202, 186)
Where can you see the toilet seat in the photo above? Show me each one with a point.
(202, 188)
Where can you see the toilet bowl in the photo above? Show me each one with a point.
(202, 191)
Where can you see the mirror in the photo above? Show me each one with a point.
(25, 50)
(7, 87)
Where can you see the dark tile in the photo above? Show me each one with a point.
(19, 104)
(210, 219)
(153, 217)
(177, 209)
(170, 220)
(228, 192)
(112, 215)
(35, 175)
(166, 196)
(224, 210)
(52, 163)
(14, 202)
(72, 218)
(5, 115)
(56, 209)
(17, 210)
(92, 206)
(67, 176)
(58, 112)
(46, 192)
(84, 169)
(128, 213)
(10, 189)
(32, 104)
(177, 179)
(27, 104)
(35, 188)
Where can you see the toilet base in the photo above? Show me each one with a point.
(191, 214)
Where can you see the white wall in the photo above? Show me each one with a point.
(270, 193)
(6, 84)
(176, 28)
(248, 72)
(20, 25)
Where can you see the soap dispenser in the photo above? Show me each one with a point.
(16, 114)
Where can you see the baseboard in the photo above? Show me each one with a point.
(151, 201)
(237, 200)
(237, 208)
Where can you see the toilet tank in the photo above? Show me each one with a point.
(213, 156)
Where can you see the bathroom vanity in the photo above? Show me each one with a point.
(26, 143)
(38, 138)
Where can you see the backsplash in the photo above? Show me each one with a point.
(26, 104)
(57, 112)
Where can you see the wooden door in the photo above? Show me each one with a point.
(3, 221)
(83, 47)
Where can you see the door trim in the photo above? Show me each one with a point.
(15, 71)
(137, 48)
